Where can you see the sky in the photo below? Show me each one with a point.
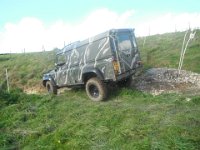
(37, 25)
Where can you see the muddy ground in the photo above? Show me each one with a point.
(167, 80)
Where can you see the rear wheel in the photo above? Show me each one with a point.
(96, 89)
(50, 88)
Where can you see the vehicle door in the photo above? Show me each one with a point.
(61, 65)
(126, 50)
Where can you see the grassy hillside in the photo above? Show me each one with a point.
(25, 70)
(164, 51)
(128, 120)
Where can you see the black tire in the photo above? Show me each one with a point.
(50, 88)
(96, 89)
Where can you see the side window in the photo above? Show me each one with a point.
(60, 59)
(74, 57)
(124, 42)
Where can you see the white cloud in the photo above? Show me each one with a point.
(28, 33)
(169, 23)
(32, 34)
(101, 20)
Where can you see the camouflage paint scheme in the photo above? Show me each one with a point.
(95, 56)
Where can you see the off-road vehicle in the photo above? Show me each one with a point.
(109, 57)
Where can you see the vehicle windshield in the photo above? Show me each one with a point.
(124, 42)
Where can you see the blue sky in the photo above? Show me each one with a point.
(74, 11)
(47, 15)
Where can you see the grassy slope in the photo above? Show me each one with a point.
(25, 70)
(164, 51)
(129, 120)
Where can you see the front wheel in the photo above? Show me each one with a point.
(50, 88)
(96, 89)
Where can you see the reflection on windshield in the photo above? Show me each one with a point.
(124, 42)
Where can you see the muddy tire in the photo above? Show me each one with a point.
(96, 89)
(50, 88)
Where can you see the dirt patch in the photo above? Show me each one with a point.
(34, 90)
(167, 80)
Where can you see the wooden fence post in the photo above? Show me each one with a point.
(7, 81)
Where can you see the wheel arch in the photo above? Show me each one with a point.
(91, 72)
(48, 78)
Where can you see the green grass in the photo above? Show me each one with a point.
(25, 70)
(129, 120)
(164, 51)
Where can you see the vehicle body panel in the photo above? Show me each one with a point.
(111, 56)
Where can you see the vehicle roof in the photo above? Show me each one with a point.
(91, 39)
